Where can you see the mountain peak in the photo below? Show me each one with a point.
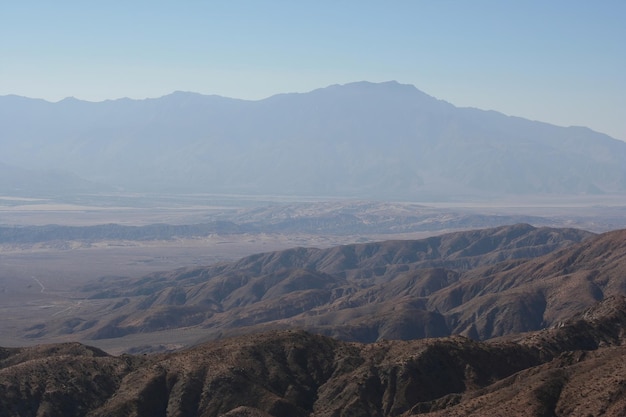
(373, 87)
(180, 93)
(376, 140)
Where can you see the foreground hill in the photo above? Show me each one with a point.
(575, 368)
(363, 292)
(365, 140)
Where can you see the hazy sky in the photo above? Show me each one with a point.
(559, 61)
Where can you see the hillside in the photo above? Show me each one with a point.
(366, 140)
(546, 289)
(574, 369)
(363, 292)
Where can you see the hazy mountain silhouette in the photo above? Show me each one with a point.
(384, 140)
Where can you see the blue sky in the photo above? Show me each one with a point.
(559, 61)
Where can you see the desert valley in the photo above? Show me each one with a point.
(359, 250)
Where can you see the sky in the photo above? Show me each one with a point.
(557, 61)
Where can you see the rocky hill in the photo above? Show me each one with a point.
(516, 320)
(575, 368)
(362, 292)
(545, 290)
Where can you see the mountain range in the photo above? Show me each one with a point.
(481, 283)
(367, 140)
(512, 320)
(576, 368)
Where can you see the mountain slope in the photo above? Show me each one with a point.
(542, 291)
(574, 369)
(364, 292)
(362, 139)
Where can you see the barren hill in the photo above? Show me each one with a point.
(576, 368)
(509, 298)
(363, 292)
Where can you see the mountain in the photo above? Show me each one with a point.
(549, 303)
(362, 292)
(541, 292)
(574, 369)
(365, 140)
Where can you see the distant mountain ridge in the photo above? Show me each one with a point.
(362, 139)
(324, 218)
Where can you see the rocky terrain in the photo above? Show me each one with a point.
(575, 368)
(508, 321)
(457, 283)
